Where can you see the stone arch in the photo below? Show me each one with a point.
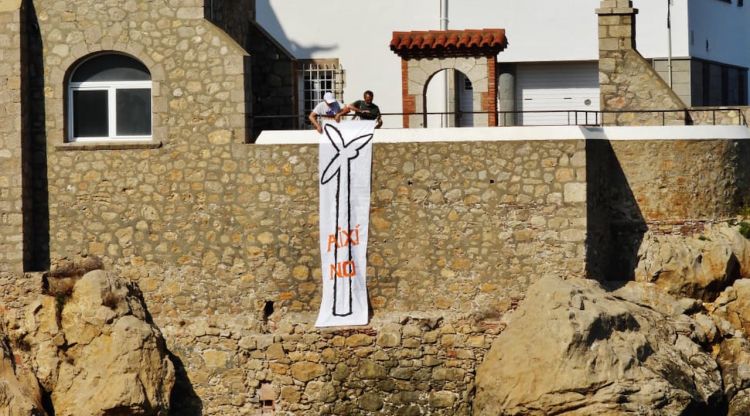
(425, 53)
(475, 69)
(59, 76)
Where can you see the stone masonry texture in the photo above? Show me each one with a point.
(11, 136)
(687, 183)
(458, 232)
(627, 81)
(199, 94)
(447, 217)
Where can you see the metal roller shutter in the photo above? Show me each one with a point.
(556, 86)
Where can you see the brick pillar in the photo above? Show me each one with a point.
(628, 84)
(491, 100)
(11, 138)
(409, 105)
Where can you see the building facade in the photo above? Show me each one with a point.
(550, 62)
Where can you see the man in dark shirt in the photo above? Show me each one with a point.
(364, 109)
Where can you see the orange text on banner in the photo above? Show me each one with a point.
(344, 238)
(343, 269)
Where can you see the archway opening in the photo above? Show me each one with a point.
(449, 100)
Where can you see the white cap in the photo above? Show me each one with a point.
(329, 98)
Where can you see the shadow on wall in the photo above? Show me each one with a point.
(36, 218)
(742, 198)
(264, 9)
(615, 222)
(184, 400)
(276, 81)
(273, 84)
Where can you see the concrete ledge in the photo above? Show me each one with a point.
(616, 10)
(479, 134)
(124, 145)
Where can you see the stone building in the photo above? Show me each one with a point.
(153, 79)
(220, 234)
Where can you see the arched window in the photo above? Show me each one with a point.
(109, 97)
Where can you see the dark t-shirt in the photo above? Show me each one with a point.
(374, 110)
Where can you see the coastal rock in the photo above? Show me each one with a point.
(733, 307)
(110, 337)
(734, 361)
(95, 350)
(19, 390)
(42, 333)
(698, 267)
(573, 349)
(648, 294)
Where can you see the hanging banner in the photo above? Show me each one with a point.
(344, 163)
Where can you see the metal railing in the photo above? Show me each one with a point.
(710, 116)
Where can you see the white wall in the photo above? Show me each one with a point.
(548, 30)
(651, 31)
(725, 26)
(554, 30)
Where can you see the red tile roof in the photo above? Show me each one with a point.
(435, 43)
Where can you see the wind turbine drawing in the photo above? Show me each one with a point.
(339, 167)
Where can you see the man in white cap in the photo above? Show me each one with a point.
(328, 108)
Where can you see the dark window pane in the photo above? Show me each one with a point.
(134, 112)
(90, 114)
(111, 67)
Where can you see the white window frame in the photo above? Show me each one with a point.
(111, 87)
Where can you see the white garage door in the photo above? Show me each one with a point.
(557, 86)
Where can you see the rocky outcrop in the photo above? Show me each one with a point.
(733, 307)
(96, 351)
(20, 394)
(673, 342)
(730, 313)
(573, 349)
(734, 359)
(698, 267)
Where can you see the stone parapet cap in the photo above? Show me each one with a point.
(482, 134)
(616, 10)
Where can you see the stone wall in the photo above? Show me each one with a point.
(686, 184)
(737, 116)
(197, 70)
(230, 268)
(12, 129)
(199, 92)
(227, 257)
(628, 83)
(226, 254)
(456, 218)
(407, 364)
(635, 92)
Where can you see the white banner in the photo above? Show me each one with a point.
(344, 163)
